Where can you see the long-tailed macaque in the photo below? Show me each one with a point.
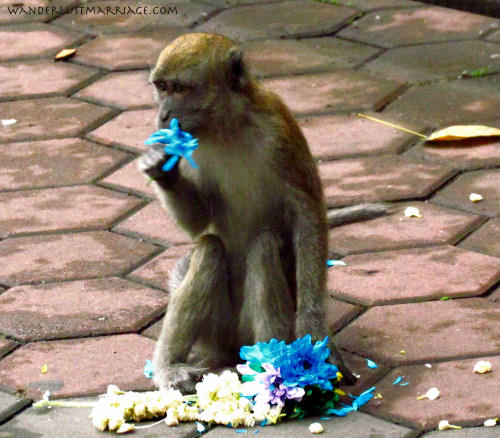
(254, 207)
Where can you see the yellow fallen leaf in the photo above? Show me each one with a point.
(64, 54)
(44, 369)
(459, 132)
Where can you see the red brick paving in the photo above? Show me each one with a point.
(88, 245)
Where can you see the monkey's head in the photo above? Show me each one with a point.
(195, 79)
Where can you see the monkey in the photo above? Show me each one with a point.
(254, 208)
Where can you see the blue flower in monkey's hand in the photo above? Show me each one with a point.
(177, 143)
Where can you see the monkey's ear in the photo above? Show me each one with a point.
(238, 71)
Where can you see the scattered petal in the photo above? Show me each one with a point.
(125, 428)
(316, 428)
(444, 425)
(371, 364)
(445, 298)
(331, 263)
(402, 351)
(404, 384)
(44, 369)
(378, 396)
(241, 431)
(482, 367)
(8, 122)
(459, 132)
(428, 365)
(491, 422)
(149, 369)
(412, 212)
(200, 427)
(64, 54)
(431, 394)
(475, 197)
(398, 380)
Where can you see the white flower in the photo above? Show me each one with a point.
(171, 419)
(444, 425)
(316, 428)
(431, 394)
(125, 428)
(482, 367)
(412, 212)
(475, 197)
(261, 410)
(490, 422)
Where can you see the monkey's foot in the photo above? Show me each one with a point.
(182, 377)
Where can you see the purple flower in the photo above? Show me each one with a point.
(276, 392)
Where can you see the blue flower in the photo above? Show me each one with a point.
(263, 352)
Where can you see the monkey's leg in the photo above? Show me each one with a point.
(268, 310)
(200, 307)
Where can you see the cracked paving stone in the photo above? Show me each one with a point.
(129, 178)
(129, 129)
(159, 15)
(41, 78)
(126, 90)
(34, 40)
(425, 331)
(288, 19)
(341, 90)
(434, 61)
(354, 136)
(50, 117)
(157, 271)
(483, 182)
(273, 57)
(421, 25)
(69, 256)
(9, 406)
(486, 239)
(75, 423)
(373, 179)
(466, 398)
(126, 51)
(154, 223)
(78, 367)
(31, 211)
(78, 309)
(464, 101)
(413, 275)
(55, 162)
(438, 225)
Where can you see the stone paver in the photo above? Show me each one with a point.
(413, 275)
(483, 182)
(41, 78)
(35, 164)
(129, 129)
(75, 422)
(495, 295)
(278, 20)
(77, 367)
(51, 117)
(468, 432)
(486, 239)
(78, 309)
(460, 102)
(466, 398)
(154, 223)
(421, 25)
(338, 313)
(386, 178)
(323, 92)
(437, 225)
(128, 90)
(276, 57)
(175, 14)
(495, 36)
(434, 61)
(130, 179)
(128, 51)
(367, 5)
(20, 11)
(34, 41)
(425, 331)
(69, 256)
(367, 377)
(5, 345)
(340, 136)
(32, 211)
(10, 405)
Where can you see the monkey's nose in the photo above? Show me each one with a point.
(163, 117)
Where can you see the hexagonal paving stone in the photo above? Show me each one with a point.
(278, 20)
(34, 40)
(130, 129)
(41, 78)
(154, 330)
(125, 51)
(32, 11)
(78, 367)
(75, 423)
(486, 239)
(483, 182)
(467, 432)
(367, 377)
(272, 57)
(438, 225)
(51, 117)
(55, 162)
(157, 271)
(124, 90)
(413, 275)
(131, 179)
(421, 25)
(78, 309)
(6, 345)
(69, 256)
(385, 178)
(154, 223)
(340, 136)
(376, 4)
(345, 90)
(460, 102)
(338, 313)
(54, 209)
(466, 398)
(433, 61)
(10, 405)
(153, 15)
(495, 295)
(425, 331)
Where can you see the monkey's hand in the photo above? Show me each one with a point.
(179, 376)
(153, 160)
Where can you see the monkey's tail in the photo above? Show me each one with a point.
(356, 213)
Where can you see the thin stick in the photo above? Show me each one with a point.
(392, 125)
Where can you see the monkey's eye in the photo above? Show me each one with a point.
(161, 85)
(177, 87)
